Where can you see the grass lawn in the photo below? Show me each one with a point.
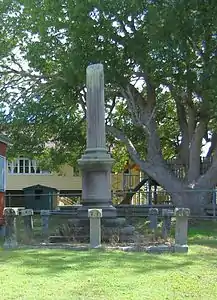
(61, 274)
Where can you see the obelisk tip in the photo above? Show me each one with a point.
(95, 67)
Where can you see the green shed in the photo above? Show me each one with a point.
(38, 197)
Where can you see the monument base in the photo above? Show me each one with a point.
(96, 165)
(107, 211)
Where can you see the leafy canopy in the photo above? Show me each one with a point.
(168, 46)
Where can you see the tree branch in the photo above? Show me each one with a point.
(111, 109)
(128, 197)
(183, 124)
(209, 179)
(118, 134)
(158, 171)
(135, 102)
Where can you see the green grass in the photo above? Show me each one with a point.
(61, 274)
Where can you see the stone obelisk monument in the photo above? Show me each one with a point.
(96, 163)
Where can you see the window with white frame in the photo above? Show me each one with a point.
(25, 166)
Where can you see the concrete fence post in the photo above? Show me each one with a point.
(166, 226)
(10, 228)
(181, 234)
(95, 216)
(153, 218)
(27, 215)
(45, 221)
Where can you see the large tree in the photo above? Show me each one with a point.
(160, 65)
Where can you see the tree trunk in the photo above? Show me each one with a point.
(193, 199)
(184, 194)
(128, 197)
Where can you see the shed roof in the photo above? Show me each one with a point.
(40, 186)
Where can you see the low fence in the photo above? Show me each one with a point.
(127, 211)
(24, 227)
(44, 200)
(68, 204)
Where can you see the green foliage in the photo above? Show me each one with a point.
(47, 46)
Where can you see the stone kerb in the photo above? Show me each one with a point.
(181, 233)
(95, 216)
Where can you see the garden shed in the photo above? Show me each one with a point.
(38, 197)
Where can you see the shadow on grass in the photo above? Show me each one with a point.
(203, 233)
(49, 262)
(55, 261)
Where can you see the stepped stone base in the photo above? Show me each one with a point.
(108, 211)
(181, 248)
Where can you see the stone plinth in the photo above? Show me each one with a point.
(10, 228)
(153, 218)
(95, 216)
(27, 215)
(96, 163)
(181, 234)
(45, 221)
(166, 226)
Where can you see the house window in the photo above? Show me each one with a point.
(25, 166)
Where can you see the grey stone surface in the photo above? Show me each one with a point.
(114, 222)
(45, 221)
(182, 212)
(127, 230)
(10, 228)
(96, 139)
(153, 218)
(27, 215)
(127, 248)
(123, 238)
(96, 163)
(167, 212)
(95, 216)
(166, 226)
(181, 248)
(117, 222)
(181, 233)
(153, 211)
(158, 249)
